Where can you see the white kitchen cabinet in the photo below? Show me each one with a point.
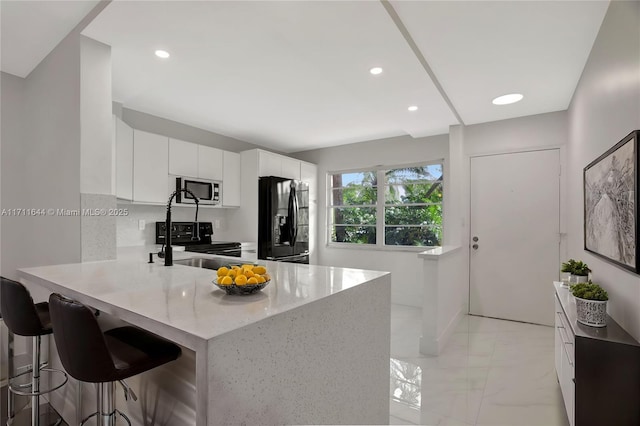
(183, 158)
(231, 179)
(150, 167)
(210, 163)
(123, 159)
(290, 168)
(269, 164)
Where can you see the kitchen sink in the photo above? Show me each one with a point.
(202, 262)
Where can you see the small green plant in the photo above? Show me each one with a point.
(568, 266)
(589, 291)
(580, 268)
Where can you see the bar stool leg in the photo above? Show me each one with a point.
(35, 383)
(10, 403)
(106, 404)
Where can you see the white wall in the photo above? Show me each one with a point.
(173, 129)
(405, 267)
(604, 109)
(41, 169)
(95, 117)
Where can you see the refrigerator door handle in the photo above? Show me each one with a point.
(295, 217)
(291, 214)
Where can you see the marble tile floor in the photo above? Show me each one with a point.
(492, 372)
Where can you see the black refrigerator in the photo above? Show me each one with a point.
(283, 220)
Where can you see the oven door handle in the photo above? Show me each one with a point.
(295, 256)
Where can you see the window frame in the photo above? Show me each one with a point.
(380, 206)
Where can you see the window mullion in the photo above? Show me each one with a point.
(382, 189)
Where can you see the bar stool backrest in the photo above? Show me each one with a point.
(79, 340)
(18, 310)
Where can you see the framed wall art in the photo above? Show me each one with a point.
(610, 204)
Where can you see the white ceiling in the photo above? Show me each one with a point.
(31, 29)
(294, 75)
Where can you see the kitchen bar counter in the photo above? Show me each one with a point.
(312, 347)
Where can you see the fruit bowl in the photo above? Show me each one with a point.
(242, 279)
(241, 290)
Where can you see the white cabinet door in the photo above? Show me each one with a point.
(183, 158)
(231, 179)
(290, 168)
(269, 164)
(210, 163)
(150, 167)
(124, 159)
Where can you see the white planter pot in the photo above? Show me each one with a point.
(578, 279)
(591, 312)
(565, 277)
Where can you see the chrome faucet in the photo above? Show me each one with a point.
(195, 233)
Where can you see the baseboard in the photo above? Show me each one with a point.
(433, 346)
(448, 330)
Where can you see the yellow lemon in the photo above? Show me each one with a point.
(266, 277)
(259, 278)
(241, 280)
(232, 273)
(259, 270)
(226, 281)
(240, 272)
(248, 273)
(223, 271)
(252, 280)
(247, 266)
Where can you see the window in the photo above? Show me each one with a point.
(405, 210)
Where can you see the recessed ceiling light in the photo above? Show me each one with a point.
(507, 99)
(162, 54)
(375, 70)
(413, 108)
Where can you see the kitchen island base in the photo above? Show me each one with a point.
(324, 363)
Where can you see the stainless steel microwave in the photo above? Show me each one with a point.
(207, 191)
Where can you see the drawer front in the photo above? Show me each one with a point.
(565, 361)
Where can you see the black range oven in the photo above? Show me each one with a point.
(182, 234)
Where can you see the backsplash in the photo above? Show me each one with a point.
(128, 233)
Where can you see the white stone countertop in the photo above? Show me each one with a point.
(180, 302)
(438, 252)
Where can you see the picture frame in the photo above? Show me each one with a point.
(610, 185)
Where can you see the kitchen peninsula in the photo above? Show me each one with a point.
(311, 348)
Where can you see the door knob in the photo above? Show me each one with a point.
(475, 239)
(475, 246)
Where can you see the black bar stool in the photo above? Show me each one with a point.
(25, 318)
(90, 355)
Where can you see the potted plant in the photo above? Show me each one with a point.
(579, 272)
(591, 304)
(567, 270)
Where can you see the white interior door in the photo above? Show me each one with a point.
(515, 235)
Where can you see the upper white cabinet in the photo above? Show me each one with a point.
(270, 164)
(150, 167)
(123, 163)
(210, 163)
(183, 158)
(231, 179)
(290, 168)
(196, 161)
